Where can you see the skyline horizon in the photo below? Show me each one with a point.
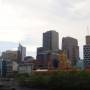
(25, 20)
(34, 55)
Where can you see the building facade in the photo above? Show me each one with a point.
(70, 46)
(50, 45)
(86, 50)
(6, 68)
(87, 40)
(10, 55)
(51, 40)
(21, 52)
(25, 68)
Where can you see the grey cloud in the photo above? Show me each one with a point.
(68, 17)
(33, 5)
(30, 9)
(46, 8)
(72, 9)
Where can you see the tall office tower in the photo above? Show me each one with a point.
(50, 45)
(70, 46)
(21, 52)
(86, 50)
(51, 40)
(87, 40)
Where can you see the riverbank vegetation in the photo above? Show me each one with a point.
(58, 80)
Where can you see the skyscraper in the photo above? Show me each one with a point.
(21, 52)
(51, 40)
(70, 46)
(50, 45)
(86, 50)
(87, 40)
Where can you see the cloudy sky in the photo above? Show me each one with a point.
(24, 21)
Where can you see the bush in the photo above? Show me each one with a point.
(58, 80)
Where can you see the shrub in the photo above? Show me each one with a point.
(58, 80)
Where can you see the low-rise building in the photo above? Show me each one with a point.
(28, 59)
(10, 55)
(6, 68)
(25, 68)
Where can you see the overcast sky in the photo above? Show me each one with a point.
(25, 20)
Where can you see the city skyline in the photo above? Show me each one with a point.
(24, 21)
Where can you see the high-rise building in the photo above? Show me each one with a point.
(87, 40)
(50, 45)
(51, 40)
(21, 52)
(70, 46)
(86, 50)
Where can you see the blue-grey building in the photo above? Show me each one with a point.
(5, 68)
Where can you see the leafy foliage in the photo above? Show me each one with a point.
(58, 80)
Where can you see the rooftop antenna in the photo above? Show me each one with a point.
(88, 30)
